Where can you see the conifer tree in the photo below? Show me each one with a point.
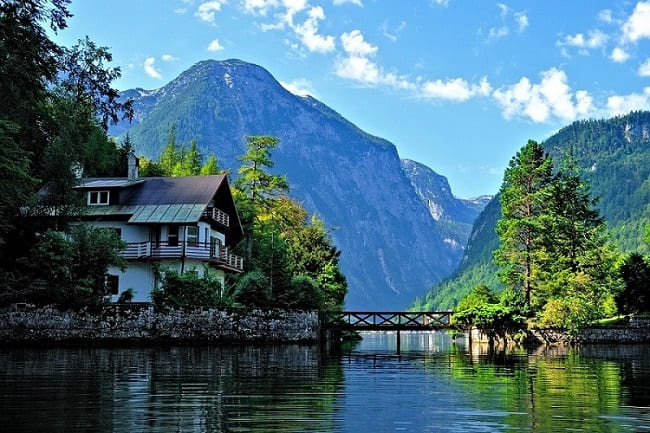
(210, 167)
(524, 202)
(170, 156)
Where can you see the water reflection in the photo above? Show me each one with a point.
(434, 384)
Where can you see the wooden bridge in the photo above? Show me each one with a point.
(388, 321)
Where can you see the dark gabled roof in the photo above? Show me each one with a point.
(192, 190)
(175, 190)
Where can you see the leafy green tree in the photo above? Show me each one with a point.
(480, 295)
(72, 267)
(16, 185)
(524, 201)
(635, 296)
(252, 290)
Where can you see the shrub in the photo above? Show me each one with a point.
(252, 290)
(303, 293)
(187, 290)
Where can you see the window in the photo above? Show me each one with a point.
(112, 283)
(172, 236)
(97, 198)
(192, 235)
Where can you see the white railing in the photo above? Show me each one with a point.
(218, 254)
(218, 215)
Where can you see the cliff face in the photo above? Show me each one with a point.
(392, 248)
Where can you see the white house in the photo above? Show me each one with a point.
(178, 223)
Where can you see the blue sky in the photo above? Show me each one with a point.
(457, 85)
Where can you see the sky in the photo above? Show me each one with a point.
(457, 85)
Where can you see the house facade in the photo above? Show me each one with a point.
(169, 223)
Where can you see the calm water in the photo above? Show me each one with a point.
(434, 385)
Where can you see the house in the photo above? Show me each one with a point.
(169, 223)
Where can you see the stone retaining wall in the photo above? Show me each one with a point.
(636, 331)
(143, 324)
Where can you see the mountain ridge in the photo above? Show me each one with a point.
(392, 248)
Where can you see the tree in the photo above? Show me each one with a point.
(254, 178)
(210, 167)
(258, 186)
(170, 156)
(192, 161)
(635, 296)
(524, 201)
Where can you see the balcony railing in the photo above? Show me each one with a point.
(209, 251)
(218, 215)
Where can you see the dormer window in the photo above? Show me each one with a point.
(97, 198)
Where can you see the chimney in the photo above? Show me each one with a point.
(134, 162)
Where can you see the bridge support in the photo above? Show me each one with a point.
(399, 343)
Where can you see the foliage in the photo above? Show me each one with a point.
(497, 318)
(524, 196)
(303, 294)
(479, 296)
(70, 269)
(635, 296)
(612, 156)
(254, 178)
(188, 290)
(252, 290)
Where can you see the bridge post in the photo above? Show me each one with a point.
(398, 343)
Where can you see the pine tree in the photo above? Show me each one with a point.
(524, 203)
(192, 160)
(170, 156)
(210, 167)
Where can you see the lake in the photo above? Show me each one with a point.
(433, 385)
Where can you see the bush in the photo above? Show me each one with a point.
(635, 296)
(495, 317)
(252, 290)
(188, 290)
(303, 294)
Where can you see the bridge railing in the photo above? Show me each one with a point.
(399, 321)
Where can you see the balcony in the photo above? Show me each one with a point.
(210, 252)
(217, 215)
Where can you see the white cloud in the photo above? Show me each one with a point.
(168, 58)
(522, 21)
(619, 55)
(308, 32)
(644, 68)
(260, 7)
(300, 87)
(498, 32)
(624, 104)
(341, 2)
(551, 97)
(504, 9)
(357, 66)
(606, 16)
(150, 70)
(456, 89)
(215, 46)
(444, 3)
(206, 10)
(180, 11)
(637, 25)
(354, 44)
(594, 39)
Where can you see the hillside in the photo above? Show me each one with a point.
(392, 248)
(614, 155)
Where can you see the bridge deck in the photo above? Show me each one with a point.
(388, 321)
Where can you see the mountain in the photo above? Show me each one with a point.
(455, 216)
(614, 156)
(392, 249)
